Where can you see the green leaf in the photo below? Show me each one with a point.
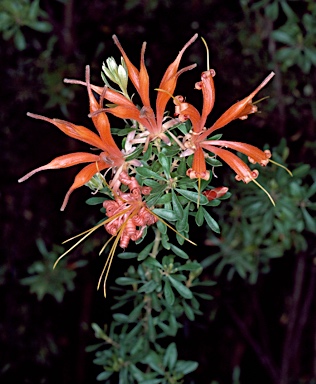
(170, 357)
(95, 200)
(145, 172)
(182, 168)
(40, 26)
(199, 217)
(164, 199)
(145, 252)
(165, 214)
(104, 375)
(178, 251)
(193, 196)
(168, 292)
(151, 262)
(188, 311)
(182, 289)
(34, 10)
(283, 37)
(165, 163)
(291, 15)
(311, 191)
(211, 222)
(127, 281)
(186, 367)
(309, 221)
(148, 287)
(191, 266)
(99, 332)
(177, 207)
(120, 318)
(19, 40)
(162, 228)
(127, 255)
(151, 329)
(133, 316)
(301, 171)
(165, 241)
(136, 330)
(272, 10)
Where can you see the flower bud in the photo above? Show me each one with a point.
(215, 193)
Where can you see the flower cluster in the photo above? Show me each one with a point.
(130, 215)
(160, 156)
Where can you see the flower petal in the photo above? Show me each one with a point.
(101, 122)
(240, 167)
(75, 131)
(191, 113)
(238, 110)
(83, 177)
(144, 79)
(208, 90)
(169, 80)
(64, 162)
(133, 72)
(247, 149)
(198, 169)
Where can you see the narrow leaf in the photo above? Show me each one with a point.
(181, 288)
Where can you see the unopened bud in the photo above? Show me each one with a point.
(215, 193)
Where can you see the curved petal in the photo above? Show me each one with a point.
(169, 81)
(241, 168)
(101, 121)
(116, 98)
(208, 90)
(247, 149)
(133, 72)
(238, 110)
(198, 169)
(169, 86)
(144, 79)
(127, 112)
(190, 112)
(83, 177)
(75, 131)
(95, 88)
(64, 162)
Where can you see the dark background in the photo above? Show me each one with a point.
(44, 341)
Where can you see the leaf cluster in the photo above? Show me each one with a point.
(44, 280)
(159, 293)
(254, 232)
(16, 14)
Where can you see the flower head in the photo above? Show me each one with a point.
(197, 141)
(150, 121)
(110, 157)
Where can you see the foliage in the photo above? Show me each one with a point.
(275, 34)
(281, 34)
(45, 280)
(17, 14)
(160, 293)
(255, 232)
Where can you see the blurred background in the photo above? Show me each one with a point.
(261, 325)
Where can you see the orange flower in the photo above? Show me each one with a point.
(110, 157)
(196, 141)
(215, 193)
(125, 109)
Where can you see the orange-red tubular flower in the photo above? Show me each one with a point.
(110, 157)
(197, 139)
(215, 193)
(145, 116)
